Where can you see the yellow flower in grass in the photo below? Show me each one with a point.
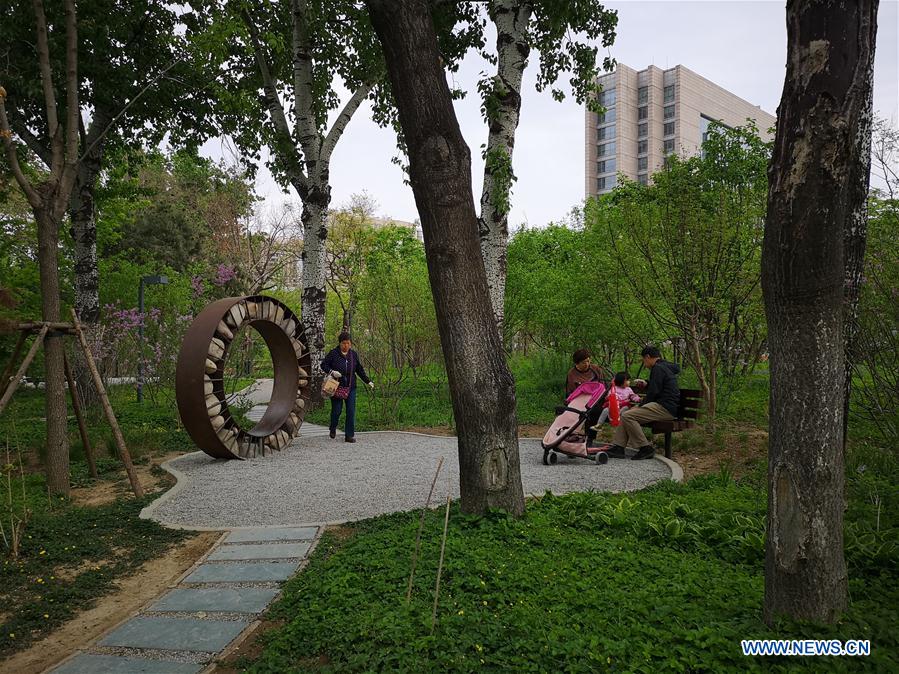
(46, 615)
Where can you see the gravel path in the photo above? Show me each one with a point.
(317, 479)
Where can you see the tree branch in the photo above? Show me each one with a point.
(310, 140)
(342, 120)
(99, 136)
(73, 112)
(43, 54)
(33, 142)
(276, 110)
(33, 197)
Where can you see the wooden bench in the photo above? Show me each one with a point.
(688, 409)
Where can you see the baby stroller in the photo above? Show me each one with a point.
(568, 433)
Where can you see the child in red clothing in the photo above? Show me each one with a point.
(624, 393)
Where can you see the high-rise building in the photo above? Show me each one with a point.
(652, 113)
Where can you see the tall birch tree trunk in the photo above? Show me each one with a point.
(818, 183)
(315, 234)
(82, 212)
(503, 109)
(306, 151)
(481, 384)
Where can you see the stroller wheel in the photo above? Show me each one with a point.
(545, 457)
(553, 458)
(601, 458)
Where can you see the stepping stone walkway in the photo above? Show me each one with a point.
(184, 630)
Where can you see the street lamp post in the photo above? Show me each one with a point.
(150, 281)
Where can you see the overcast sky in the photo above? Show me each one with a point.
(740, 46)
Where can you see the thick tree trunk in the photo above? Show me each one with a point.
(814, 196)
(481, 384)
(315, 233)
(511, 18)
(54, 351)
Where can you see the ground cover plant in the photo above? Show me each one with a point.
(70, 556)
(150, 428)
(667, 579)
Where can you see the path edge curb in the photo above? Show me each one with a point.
(677, 473)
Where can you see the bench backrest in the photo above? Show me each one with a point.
(690, 404)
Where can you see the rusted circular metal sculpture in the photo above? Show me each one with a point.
(199, 379)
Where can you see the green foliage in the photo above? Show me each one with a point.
(690, 251)
(551, 297)
(498, 164)
(567, 36)
(876, 378)
(173, 211)
(667, 579)
(70, 557)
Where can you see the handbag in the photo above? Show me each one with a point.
(329, 387)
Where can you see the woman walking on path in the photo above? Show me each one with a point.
(344, 361)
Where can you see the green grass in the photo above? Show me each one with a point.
(151, 427)
(69, 557)
(667, 579)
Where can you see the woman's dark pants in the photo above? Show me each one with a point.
(349, 426)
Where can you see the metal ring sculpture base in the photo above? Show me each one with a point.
(199, 379)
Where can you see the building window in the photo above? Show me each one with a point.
(704, 123)
(607, 166)
(642, 95)
(643, 112)
(669, 93)
(642, 146)
(642, 130)
(642, 163)
(669, 111)
(669, 146)
(606, 149)
(607, 98)
(606, 183)
(669, 128)
(643, 179)
(606, 132)
(607, 116)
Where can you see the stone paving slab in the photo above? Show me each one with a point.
(175, 634)
(260, 551)
(224, 599)
(89, 663)
(261, 572)
(264, 534)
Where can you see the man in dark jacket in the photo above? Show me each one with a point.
(660, 404)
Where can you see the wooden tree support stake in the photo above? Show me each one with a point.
(440, 564)
(107, 408)
(14, 384)
(421, 523)
(7, 371)
(82, 427)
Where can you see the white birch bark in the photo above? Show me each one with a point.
(511, 18)
(306, 152)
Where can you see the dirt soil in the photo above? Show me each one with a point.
(104, 491)
(133, 593)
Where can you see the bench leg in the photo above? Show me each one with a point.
(668, 445)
